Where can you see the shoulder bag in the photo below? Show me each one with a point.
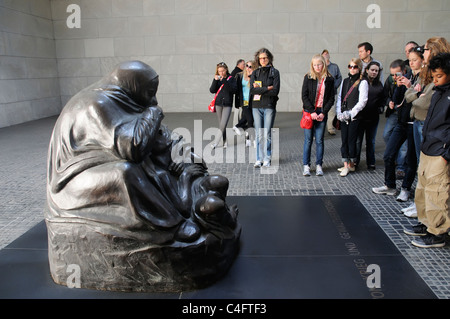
(212, 105)
(306, 122)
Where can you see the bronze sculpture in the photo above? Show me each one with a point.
(128, 201)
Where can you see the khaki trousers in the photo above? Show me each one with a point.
(432, 195)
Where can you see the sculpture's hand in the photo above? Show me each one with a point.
(192, 171)
(196, 159)
(176, 168)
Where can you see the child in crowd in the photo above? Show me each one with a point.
(432, 196)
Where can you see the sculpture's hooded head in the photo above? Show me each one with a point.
(139, 81)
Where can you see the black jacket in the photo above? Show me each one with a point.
(239, 96)
(375, 102)
(309, 91)
(436, 129)
(402, 107)
(353, 97)
(269, 76)
(225, 96)
(389, 87)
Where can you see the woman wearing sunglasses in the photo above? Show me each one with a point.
(242, 99)
(351, 100)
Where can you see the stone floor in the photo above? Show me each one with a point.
(23, 174)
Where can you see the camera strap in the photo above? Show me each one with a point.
(351, 89)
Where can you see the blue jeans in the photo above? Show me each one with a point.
(400, 134)
(263, 120)
(317, 132)
(391, 121)
(418, 138)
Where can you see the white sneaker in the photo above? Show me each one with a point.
(266, 164)
(306, 170)
(412, 213)
(384, 190)
(237, 131)
(248, 143)
(344, 171)
(258, 164)
(410, 207)
(225, 145)
(351, 169)
(403, 196)
(319, 171)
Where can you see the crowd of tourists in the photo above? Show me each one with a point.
(414, 98)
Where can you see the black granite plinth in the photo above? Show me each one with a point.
(291, 247)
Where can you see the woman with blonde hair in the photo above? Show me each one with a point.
(318, 98)
(242, 99)
(351, 101)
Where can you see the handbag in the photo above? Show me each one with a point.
(306, 122)
(212, 105)
(336, 123)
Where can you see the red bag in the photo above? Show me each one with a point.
(306, 121)
(212, 105)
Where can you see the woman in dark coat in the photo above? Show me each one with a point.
(370, 115)
(224, 99)
(318, 98)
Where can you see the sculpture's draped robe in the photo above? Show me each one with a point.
(99, 157)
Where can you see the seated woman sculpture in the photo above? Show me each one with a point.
(115, 170)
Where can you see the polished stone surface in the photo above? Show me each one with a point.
(291, 247)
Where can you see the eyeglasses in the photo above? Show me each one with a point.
(352, 66)
(248, 66)
(420, 49)
(221, 64)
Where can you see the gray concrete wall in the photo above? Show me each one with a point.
(184, 40)
(29, 84)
